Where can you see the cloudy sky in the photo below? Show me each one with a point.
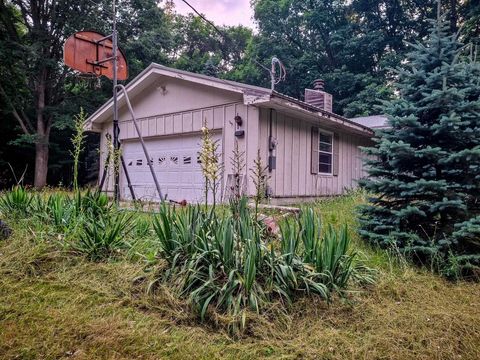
(221, 12)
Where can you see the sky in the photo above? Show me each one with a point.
(220, 12)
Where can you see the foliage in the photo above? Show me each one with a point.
(17, 202)
(86, 222)
(224, 262)
(53, 305)
(425, 171)
(99, 239)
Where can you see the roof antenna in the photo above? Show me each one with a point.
(282, 72)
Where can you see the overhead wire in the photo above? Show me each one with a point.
(225, 37)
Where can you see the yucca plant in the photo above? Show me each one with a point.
(330, 253)
(310, 228)
(59, 209)
(289, 231)
(101, 237)
(142, 227)
(92, 203)
(221, 261)
(16, 202)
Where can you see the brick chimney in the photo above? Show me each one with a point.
(318, 97)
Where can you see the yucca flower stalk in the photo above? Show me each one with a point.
(77, 142)
(260, 180)
(210, 163)
(238, 167)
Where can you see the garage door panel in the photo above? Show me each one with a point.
(176, 165)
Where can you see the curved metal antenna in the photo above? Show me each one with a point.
(282, 72)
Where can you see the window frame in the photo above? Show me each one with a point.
(320, 152)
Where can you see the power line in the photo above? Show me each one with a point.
(225, 37)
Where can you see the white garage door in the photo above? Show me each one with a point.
(176, 164)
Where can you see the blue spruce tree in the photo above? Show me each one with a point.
(425, 169)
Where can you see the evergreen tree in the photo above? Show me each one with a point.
(425, 169)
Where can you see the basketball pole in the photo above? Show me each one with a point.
(116, 130)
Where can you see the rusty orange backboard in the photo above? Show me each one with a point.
(85, 51)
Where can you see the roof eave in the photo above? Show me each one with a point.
(154, 68)
(311, 110)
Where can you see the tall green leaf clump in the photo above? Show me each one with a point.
(425, 169)
(229, 264)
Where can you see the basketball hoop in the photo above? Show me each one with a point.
(90, 52)
(94, 55)
(90, 81)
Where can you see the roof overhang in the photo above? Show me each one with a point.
(312, 114)
(252, 95)
(148, 76)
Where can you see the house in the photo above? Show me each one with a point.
(309, 150)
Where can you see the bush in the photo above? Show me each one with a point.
(99, 238)
(91, 225)
(224, 262)
(17, 202)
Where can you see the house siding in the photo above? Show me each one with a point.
(192, 105)
(292, 176)
(155, 120)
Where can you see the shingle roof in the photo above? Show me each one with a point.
(373, 122)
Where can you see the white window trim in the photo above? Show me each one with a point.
(320, 152)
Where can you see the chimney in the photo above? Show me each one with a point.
(318, 97)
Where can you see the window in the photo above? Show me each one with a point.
(325, 153)
(174, 160)
(139, 162)
(187, 160)
(161, 160)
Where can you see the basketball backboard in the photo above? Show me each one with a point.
(89, 51)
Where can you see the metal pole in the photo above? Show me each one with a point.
(116, 143)
(105, 167)
(129, 183)
(145, 151)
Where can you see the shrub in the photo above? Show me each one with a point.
(99, 238)
(16, 202)
(224, 262)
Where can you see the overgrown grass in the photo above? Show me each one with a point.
(54, 305)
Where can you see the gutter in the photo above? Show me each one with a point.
(326, 114)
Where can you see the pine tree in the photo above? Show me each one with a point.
(425, 169)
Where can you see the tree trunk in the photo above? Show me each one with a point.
(41, 164)
(43, 135)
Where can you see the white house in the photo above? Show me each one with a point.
(310, 151)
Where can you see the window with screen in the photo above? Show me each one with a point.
(325, 153)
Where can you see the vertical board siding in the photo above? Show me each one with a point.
(292, 176)
(288, 155)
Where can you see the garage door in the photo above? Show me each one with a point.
(176, 164)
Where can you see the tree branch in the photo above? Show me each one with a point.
(23, 124)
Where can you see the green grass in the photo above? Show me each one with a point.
(54, 305)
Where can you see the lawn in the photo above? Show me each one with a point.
(56, 306)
